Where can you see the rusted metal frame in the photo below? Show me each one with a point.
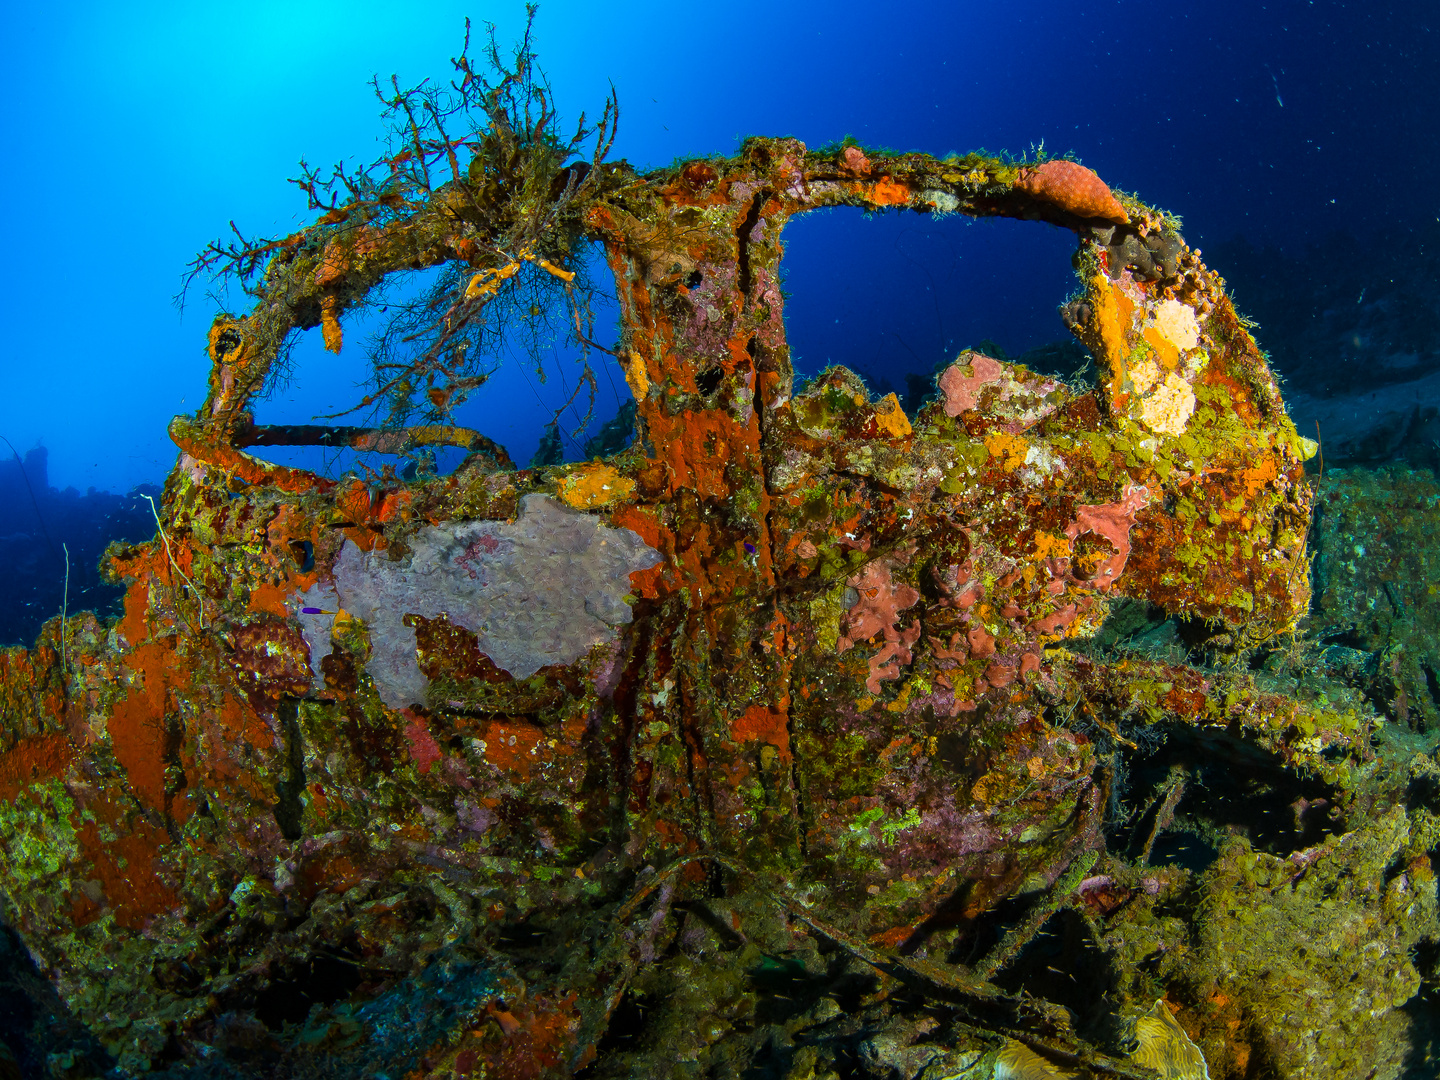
(826, 185)
(631, 254)
(369, 440)
(205, 449)
(632, 250)
(218, 432)
(835, 188)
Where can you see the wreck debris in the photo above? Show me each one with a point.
(794, 690)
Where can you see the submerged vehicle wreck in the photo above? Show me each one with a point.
(792, 739)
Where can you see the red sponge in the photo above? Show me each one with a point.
(1074, 189)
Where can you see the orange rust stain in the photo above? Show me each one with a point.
(366, 539)
(644, 523)
(573, 729)
(779, 637)
(240, 724)
(740, 360)
(769, 384)
(697, 446)
(134, 625)
(642, 520)
(395, 504)
(888, 192)
(1259, 476)
(639, 296)
(513, 747)
(287, 524)
(126, 867)
(696, 554)
(33, 760)
(354, 502)
(892, 938)
(763, 723)
(270, 598)
(137, 725)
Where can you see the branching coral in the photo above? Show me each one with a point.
(503, 226)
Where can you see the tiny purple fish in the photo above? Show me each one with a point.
(315, 611)
(749, 548)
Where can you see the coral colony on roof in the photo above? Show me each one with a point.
(785, 739)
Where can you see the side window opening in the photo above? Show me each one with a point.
(534, 402)
(895, 297)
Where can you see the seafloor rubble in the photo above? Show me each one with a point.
(802, 738)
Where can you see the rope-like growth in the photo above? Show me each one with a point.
(175, 566)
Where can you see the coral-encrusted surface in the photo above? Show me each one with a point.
(642, 762)
(538, 592)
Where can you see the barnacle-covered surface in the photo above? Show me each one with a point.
(819, 756)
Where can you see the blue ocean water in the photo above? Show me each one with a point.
(1297, 140)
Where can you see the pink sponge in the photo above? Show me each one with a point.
(877, 611)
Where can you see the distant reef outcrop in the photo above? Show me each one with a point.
(38, 523)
